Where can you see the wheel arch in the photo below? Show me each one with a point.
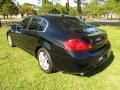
(45, 45)
(7, 34)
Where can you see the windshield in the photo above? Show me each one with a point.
(71, 23)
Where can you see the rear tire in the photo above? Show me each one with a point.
(10, 41)
(45, 61)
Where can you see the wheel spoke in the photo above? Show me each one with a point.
(43, 60)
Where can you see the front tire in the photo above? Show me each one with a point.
(45, 61)
(10, 41)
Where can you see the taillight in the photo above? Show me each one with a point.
(76, 45)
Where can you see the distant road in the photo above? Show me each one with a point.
(105, 23)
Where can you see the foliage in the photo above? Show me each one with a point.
(90, 9)
(116, 8)
(13, 9)
(9, 9)
(27, 9)
(2, 2)
(62, 9)
(45, 2)
(73, 11)
(46, 8)
(110, 4)
(95, 8)
(54, 11)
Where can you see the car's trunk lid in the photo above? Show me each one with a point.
(97, 38)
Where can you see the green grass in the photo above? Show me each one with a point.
(20, 71)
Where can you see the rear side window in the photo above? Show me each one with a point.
(43, 25)
(35, 24)
(38, 24)
(25, 23)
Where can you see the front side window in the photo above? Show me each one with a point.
(25, 23)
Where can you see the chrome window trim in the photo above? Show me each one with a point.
(40, 23)
(29, 22)
(46, 25)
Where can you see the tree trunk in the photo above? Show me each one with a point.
(11, 16)
(104, 15)
(4, 17)
(67, 6)
(0, 23)
(107, 16)
(7, 16)
(111, 16)
(22, 15)
(79, 8)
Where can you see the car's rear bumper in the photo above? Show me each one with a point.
(76, 62)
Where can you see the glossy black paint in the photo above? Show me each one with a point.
(52, 38)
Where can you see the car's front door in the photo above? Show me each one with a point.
(19, 34)
(32, 34)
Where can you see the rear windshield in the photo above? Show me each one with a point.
(71, 23)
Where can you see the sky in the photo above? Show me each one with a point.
(63, 2)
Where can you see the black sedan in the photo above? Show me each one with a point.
(61, 42)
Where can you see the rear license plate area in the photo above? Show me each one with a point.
(102, 57)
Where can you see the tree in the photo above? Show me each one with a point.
(79, 11)
(93, 9)
(45, 1)
(117, 9)
(110, 6)
(13, 9)
(54, 11)
(27, 9)
(67, 6)
(117, 1)
(72, 11)
(2, 2)
(9, 9)
(62, 9)
(46, 8)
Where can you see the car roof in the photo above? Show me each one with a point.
(47, 16)
(55, 15)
